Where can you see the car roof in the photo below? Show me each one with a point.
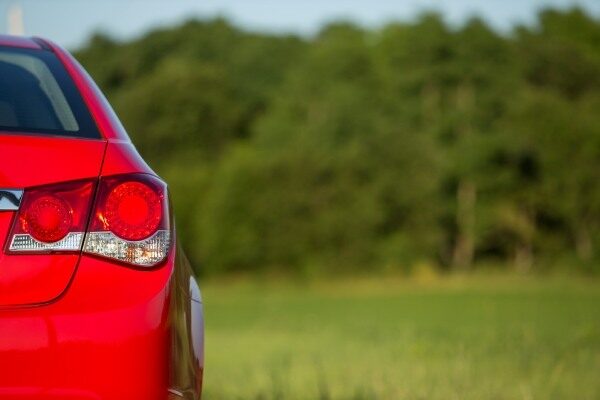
(18, 41)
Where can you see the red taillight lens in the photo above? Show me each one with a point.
(130, 221)
(52, 218)
(48, 218)
(133, 210)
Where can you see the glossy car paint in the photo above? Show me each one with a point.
(81, 327)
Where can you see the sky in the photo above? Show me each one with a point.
(71, 22)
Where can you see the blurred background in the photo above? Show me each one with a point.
(384, 199)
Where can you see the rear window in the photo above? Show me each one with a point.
(37, 95)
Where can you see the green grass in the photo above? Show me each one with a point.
(509, 338)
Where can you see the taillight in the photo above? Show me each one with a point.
(52, 218)
(130, 221)
(133, 210)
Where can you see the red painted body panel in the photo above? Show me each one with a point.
(29, 160)
(34, 279)
(110, 336)
(123, 158)
(75, 326)
(106, 338)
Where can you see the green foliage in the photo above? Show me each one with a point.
(370, 149)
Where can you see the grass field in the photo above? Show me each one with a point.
(475, 338)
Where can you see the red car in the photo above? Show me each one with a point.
(97, 300)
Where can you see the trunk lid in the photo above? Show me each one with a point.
(28, 161)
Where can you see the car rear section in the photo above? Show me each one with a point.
(97, 301)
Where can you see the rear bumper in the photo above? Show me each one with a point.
(109, 336)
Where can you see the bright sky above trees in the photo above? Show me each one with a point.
(70, 22)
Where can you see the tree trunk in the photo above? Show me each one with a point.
(523, 258)
(583, 243)
(464, 249)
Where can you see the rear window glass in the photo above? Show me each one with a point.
(38, 96)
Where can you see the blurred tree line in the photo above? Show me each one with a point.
(362, 150)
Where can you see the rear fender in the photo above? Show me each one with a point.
(187, 324)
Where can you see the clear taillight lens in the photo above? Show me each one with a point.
(146, 253)
(130, 222)
(52, 218)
